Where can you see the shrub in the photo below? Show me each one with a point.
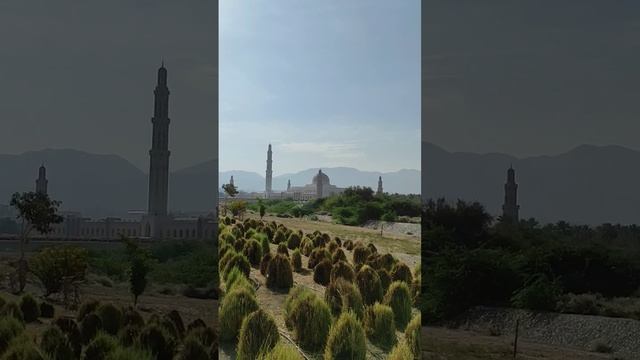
(89, 327)
(342, 295)
(156, 340)
(538, 294)
(332, 246)
(296, 260)
(306, 246)
(279, 273)
(100, 347)
(193, 349)
(342, 269)
(131, 316)
(380, 326)
(259, 332)
(348, 244)
(29, 307)
(205, 335)
(386, 261)
(310, 319)
(294, 241)
(264, 243)
(316, 256)
(401, 352)
(54, 343)
(401, 272)
(385, 279)
(586, 304)
(129, 353)
(360, 254)
(224, 260)
(322, 272)
(295, 295)
(236, 279)
(346, 339)
(416, 286)
(52, 265)
(369, 285)
(10, 327)
(398, 297)
(71, 330)
(197, 323)
(111, 317)
(281, 352)
(87, 307)
(127, 335)
(412, 336)
(22, 348)
(253, 251)
(235, 306)
(338, 255)
(282, 249)
(238, 245)
(372, 248)
(279, 237)
(176, 320)
(264, 264)
(240, 261)
(12, 309)
(47, 310)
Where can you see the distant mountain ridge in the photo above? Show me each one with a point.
(404, 181)
(586, 185)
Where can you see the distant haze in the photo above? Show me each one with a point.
(81, 75)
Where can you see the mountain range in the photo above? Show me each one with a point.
(586, 185)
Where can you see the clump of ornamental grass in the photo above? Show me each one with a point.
(239, 244)
(29, 307)
(295, 295)
(111, 317)
(264, 243)
(279, 237)
(401, 352)
(338, 255)
(310, 320)
(236, 279)
(338, 241)
(128, 334)
(192, 349)
(206, 335)
(386, 261)
(372, 248)
(240, 261)
(176, 319)
(360, 254)
(385, 279)
(90, 325)
(342, 269)
(259, 332)
(281, 352)
(296, 260)
(346, 339)
(224, 260)
(253, 251)
(22, 348)
(316, 256)
(322, 272)
(264, 264)
(342, 296)
(369, 285)
(348, 244)
(398, 297)
(131, 316)
(332, 246)
(401, 272)
(412, 335)
(130, 353)
(293, 242)
(100, 347)
(280, 273)
(306, 246)
(235, 306)
(282, 249)
(47, 310)
(10, 328)
(380, 326)
(55, 344)
(12, 309)
(155, 339)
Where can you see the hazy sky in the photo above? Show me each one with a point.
(328, 83)
(81, 74)
(531, 77)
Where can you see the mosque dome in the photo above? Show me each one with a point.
(325, 178)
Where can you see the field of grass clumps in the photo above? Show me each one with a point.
(29, 329)
(313, 295)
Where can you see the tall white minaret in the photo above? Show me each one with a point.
(379, 192)
(289, 185)
(269, 174)
(231, 181)
(159, 153)
(511, 208)
(41, 182)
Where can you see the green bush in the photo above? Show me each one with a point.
(322, 272)
(279, 273)
(52, 265)
(316, 256)
(310, 318)
(264, 243)
(72, 331)
(54, 343)
(333, 246)
(193, 349)
(360, 254)
(235, 306)
(338, 255)
(253, 251)
(240, 261)
(342, 295)
(401, 272)
(176, 320)
(385, 279)
(296, 260)
(238, 245)
(236, 279)
(369, 285)
(156, 340)
(111, 317)
(10, 328)
(401, 352)
(264, 264)
(197, 323)
(12, 309)
(398, 297)
(412, 336)
(372, 248)
(259, 332)
(281, 352)
(282, 249)
(89, 327)
(100, 347)
(47, 310)
(380, 326)
(279, 237)
(295, 295)
(128, 335)
(29, 307)
(306, 246)
(224, 260)
(538, 294)
(386, 261)
(22, 348)
(205, 335)
(342, 269)
(348, 244)
(86, 308)
(293, 242)
(129, 353)
(346, 339)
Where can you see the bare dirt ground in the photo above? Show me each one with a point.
(455, 344)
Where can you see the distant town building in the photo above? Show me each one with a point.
(510, 208)
(41, 182)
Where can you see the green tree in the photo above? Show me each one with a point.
(54, 266)
(138, 268)
(262, 208)
(237, 208)
(35, 211)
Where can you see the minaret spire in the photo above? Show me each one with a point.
(510, 209)
(41, 182)
(379, 192)
(269, 174)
